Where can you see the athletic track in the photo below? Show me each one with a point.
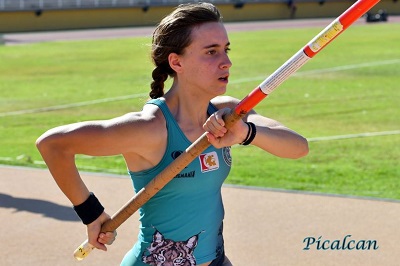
(39, 227)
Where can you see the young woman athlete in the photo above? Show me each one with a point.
(183, 223)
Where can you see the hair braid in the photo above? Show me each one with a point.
(157, 86)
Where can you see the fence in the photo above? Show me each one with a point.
(45, 15)
(20, 5)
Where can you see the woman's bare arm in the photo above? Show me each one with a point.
(272, 136)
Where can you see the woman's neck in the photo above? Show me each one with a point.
(189, 110)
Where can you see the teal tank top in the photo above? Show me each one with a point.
(183, 221)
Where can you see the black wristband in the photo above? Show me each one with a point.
(248, 133)
(252, 133)
(90, 209)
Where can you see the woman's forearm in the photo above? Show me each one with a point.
(62, 167)
(281, 141)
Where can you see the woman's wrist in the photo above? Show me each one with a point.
(251, 134)
(246, 133)
(89, 210)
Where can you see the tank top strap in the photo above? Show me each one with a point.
(160, 102)
(173, 128)
(172, 125)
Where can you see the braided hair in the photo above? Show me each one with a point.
(173, 35)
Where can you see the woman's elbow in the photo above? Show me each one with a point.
(47, 144)
(302, 149)
(43, 144)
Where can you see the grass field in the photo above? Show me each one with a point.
(351, 87)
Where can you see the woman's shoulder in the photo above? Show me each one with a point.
(148, 119)
(225, 102)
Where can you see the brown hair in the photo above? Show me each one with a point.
(172, 35)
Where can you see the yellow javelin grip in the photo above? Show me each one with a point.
(83, 250)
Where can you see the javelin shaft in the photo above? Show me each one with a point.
(249, 102)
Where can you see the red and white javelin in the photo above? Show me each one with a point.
(338, 26)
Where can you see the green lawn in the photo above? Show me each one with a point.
(351, 87)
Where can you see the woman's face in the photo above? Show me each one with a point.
(205, 63)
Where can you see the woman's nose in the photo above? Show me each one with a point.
(226, 63)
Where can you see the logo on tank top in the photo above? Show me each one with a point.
(183, 174)
(226, 154)
(209, 161)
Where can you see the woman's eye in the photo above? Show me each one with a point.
(212, 52)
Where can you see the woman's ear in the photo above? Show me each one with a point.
(174, 62)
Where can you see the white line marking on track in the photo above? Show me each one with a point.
(238, 81)
(317, 139)
(352, 136)
(349, 136)
(71, 105)
(326, 70)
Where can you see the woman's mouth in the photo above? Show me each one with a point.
(224, 78)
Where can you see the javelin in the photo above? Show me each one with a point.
(312, 48)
